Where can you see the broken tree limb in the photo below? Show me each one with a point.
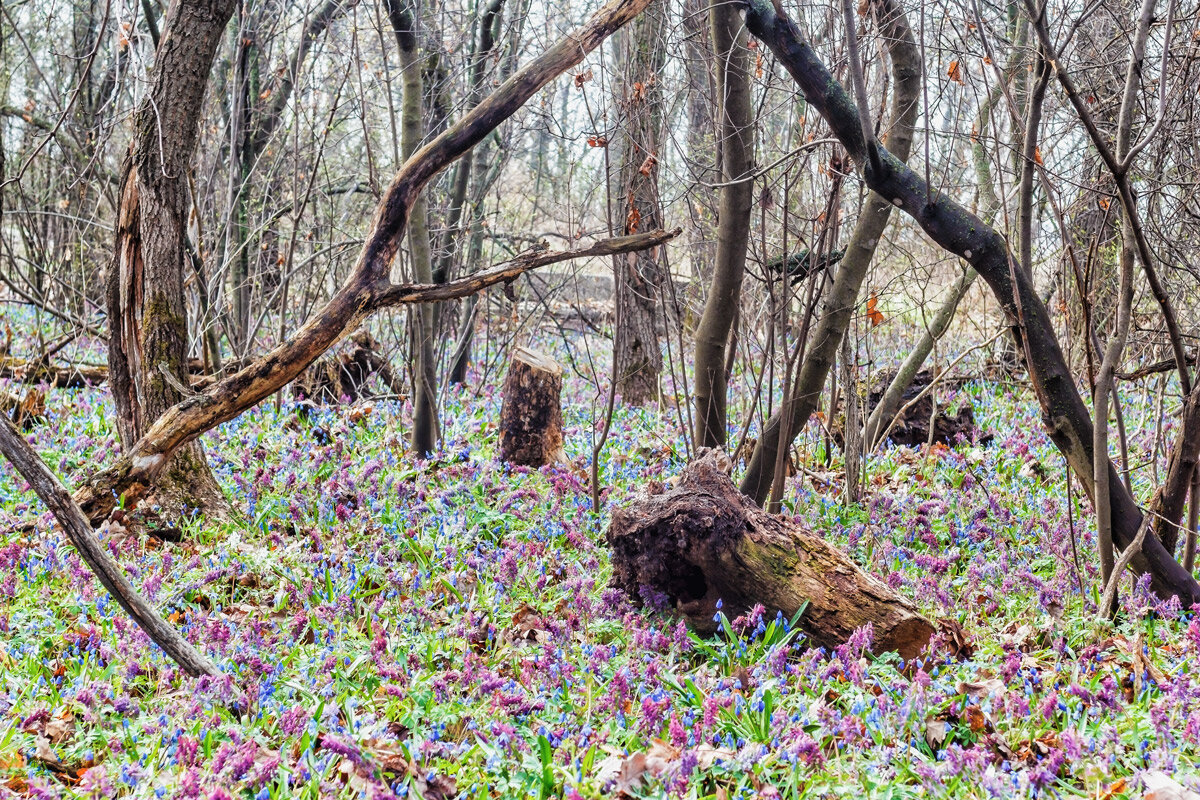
(79, 531)
(39, 371)
(531, 416)
(704, 542)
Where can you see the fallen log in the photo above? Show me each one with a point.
(531, 416)
(704, 542)
(69, 377)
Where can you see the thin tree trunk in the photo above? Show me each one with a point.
(736, 141)
(425, 433)
(873, 219)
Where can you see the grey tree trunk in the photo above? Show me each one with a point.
(736, 140)
(405, 21)
(638, 277)
(147, 354)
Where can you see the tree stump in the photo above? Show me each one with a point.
(531, 416)
(704, 541)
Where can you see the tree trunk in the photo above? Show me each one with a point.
(531, 416)
(1169, 501)
(736, 138)
(704, 542)
(872, 220)
(638, 277)
(425, 432)
(147, 354)
(702, 159)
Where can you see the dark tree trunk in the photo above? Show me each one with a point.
(705, 542)
(638, 277)
(147, 354)
(531, 416)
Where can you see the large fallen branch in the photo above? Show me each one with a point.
(40, 371)
(368, 288)
(79, 531)
(704, 542)
(958, 231)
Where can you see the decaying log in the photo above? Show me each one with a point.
(68, 377)
(531, 416)
(345, 375)
(25, 412)
(704, 541)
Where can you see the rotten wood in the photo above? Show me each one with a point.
(24, 411)
(344, 378)
(40, 371)
(531, 415)
(704, 542)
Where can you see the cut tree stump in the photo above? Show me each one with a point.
(531, 416)
(704, 541)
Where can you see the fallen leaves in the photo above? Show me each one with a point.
(873, 312)
(624, 774)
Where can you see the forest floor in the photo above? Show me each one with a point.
(444, 628)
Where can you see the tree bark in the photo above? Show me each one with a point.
(147, 354)
(531, 415)
(735, 136)
(876, 211)
(425, 432)
(638, 277)
(1171, 498)
(704, 543)
(958, 231)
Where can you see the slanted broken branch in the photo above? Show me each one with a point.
(79, 531)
